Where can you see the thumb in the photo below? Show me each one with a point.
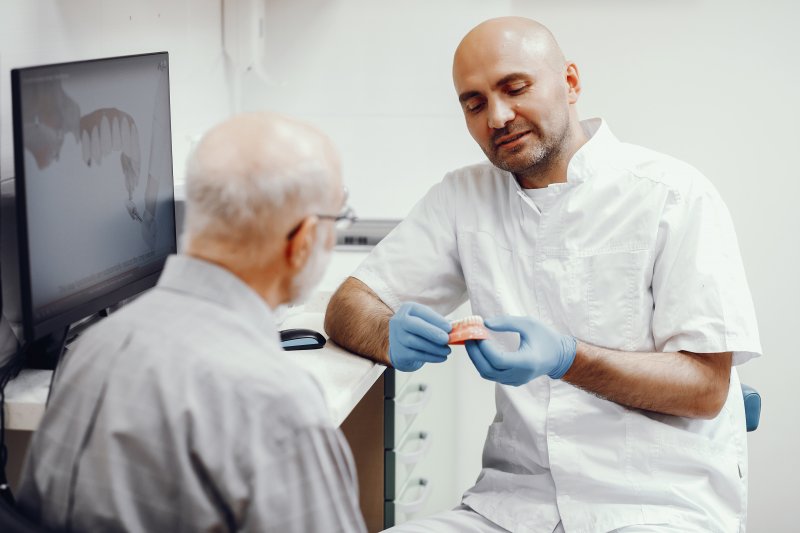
(506, 323)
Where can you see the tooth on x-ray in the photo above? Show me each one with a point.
(116, 136)
(135, 154)
(86, 147)
(125, 132)
(95, 138)
(105, 136)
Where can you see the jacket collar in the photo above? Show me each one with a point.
(206, 281)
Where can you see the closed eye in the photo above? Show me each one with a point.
(517, 88)
(473, 106)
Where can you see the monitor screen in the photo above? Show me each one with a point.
(94, 185)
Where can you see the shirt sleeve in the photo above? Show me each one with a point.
(702, 300)
(418, 261)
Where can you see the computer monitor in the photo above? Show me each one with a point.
(94, 196)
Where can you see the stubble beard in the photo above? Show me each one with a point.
(538, 160)
(309, 277)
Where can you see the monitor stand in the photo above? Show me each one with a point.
(45, 353)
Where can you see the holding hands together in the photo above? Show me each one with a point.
(541, 351)
(417, 335)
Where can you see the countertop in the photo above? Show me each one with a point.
(344, 378)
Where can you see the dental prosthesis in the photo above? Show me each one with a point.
(467, 328)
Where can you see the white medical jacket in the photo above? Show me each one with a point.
(635, 252)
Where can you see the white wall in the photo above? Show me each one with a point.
(36, 32)
(710, 81)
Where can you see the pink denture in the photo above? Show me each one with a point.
(468, 328)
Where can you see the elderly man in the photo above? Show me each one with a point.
(614, 275)
(181, 412)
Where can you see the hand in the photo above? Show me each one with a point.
(541, 351)
(417, 335)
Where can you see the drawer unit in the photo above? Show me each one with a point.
(405, 491)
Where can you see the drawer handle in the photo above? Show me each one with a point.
(416, 454)
(414, 407)
(407, 507)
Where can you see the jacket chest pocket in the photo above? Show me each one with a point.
(601, 298)
(499, 280)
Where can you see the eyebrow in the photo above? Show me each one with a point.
(514, 76)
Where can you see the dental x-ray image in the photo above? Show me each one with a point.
(90, 130)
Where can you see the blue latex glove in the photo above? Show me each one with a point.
(417, 335)
(541, 351)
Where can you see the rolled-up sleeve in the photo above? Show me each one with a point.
(702, 299)
(419, 259)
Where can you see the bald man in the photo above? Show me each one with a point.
(181, 412)
(611, 279)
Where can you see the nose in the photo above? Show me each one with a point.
(500, 113)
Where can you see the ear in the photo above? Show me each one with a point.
(300, 246)
(573, 81)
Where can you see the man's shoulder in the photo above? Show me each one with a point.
(475, 171)
(228, 362)
(482, 180)
(678, 176)
(268, 385)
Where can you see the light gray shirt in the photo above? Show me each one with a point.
(181, 412)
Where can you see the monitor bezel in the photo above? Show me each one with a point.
(33, 329)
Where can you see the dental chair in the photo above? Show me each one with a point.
(752, 407)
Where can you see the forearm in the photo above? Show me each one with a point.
(673, 383)
(359, 321)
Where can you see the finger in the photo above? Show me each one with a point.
(426, 330)
(429, 315)
(505, 323)
(514, 324)
(485, 369)
(418, 343)
(426, 357)
(499, 360)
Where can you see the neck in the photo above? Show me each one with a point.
(554, 168)
(264, 280)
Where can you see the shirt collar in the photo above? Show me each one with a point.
(202, 279)
(584, 163)
(594, 153)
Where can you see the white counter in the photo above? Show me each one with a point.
(25, 399)
(345, 378)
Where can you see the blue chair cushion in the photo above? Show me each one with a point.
(752, 407)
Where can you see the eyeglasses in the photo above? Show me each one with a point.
(341, 222)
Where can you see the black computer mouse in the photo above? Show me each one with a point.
(301, 339)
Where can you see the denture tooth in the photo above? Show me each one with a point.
(471, 320)
(116, 136)
(105, 136)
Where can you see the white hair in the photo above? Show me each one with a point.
(255, 208)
